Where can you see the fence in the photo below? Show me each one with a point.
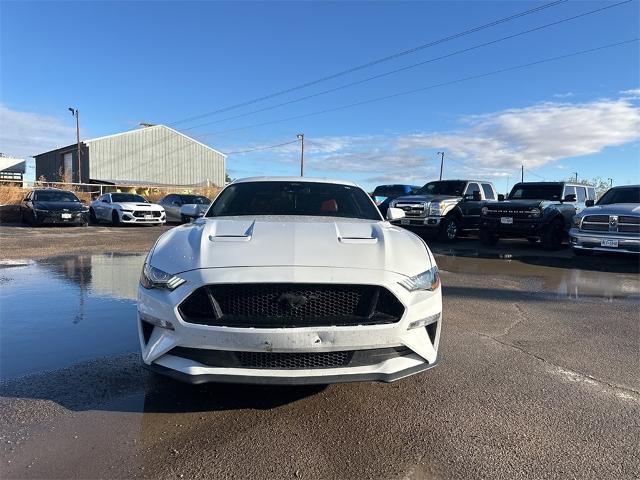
(12, 191)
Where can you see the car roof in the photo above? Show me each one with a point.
(571, 184)
(460, 180)
(295, 179)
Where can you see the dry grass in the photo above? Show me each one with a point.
(11, 194)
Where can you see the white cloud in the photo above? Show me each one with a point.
(563, 95)
(24, 134)
(492, 145)
(633, 93)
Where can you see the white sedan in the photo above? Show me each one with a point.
(290, 281)
(125, 208)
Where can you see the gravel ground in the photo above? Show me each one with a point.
(538, 379)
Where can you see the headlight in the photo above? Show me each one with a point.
(435, 208)
(535, 212)
(429, 280)
(153, 277)
(484, 210)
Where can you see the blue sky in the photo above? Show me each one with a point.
(121, 63)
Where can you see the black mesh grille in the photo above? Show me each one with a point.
(629, 228)
(597, 218)
(629, 219)
(292, 361)
(291, 305)
(596, 227)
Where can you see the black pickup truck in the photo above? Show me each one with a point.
(535, 211)
(445, 207)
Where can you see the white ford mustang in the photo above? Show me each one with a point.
(290, 280)
(119, 208)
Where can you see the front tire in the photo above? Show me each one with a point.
(449, 230)
(488, 239)
(552, 236)
(115, 219)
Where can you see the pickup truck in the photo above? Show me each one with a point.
(445, 207)
(535, 211)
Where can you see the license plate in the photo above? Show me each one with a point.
(506, 220)
(609, 243)
(66, 215)
(405, 221)
(148, 217)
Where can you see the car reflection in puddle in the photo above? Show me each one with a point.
(62, 310)
(560, 278)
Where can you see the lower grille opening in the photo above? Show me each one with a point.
(147, 329)
(432, 329)
(289, 361)
(291, 305)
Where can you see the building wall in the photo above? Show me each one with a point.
(156, 155)
(51, 164)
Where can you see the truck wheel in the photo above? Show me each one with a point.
(449, 229)
(488, 239)
(552, 236)
(115, 219)
(92, 217)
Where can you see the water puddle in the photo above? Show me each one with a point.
(558, 279)
(62, 310)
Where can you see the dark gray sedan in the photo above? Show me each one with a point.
(174, 202)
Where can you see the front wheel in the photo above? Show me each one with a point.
(552, 236)
(449, 229)
(115, 219)
(488, 239)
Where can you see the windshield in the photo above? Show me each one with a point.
(127, 197)
(621, 195)
(294, 198)
(389, 190)
(447, 187)
(536, 191)
(195, 199)
(54, 196)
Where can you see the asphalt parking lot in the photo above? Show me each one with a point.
(539, 377)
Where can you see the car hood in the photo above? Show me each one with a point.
(59, 206)
(137, 206)
(290, 241)
(613, 209)
(426, 198)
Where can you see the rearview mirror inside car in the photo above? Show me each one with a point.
(394, 213)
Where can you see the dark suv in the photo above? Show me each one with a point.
(535, 211)
(445, 207)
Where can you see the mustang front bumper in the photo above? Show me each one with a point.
(202, 353)
(141, 216)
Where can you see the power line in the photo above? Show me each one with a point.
(261, 148)
(408, 67)
(375, 62)
(429, 87)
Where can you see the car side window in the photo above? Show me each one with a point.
(568, 190)
(168, 199)
(581, 194)
(488, 191)
(591, 192)
(472, 188)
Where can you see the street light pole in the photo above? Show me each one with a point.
(441, 163)
(300, 137)
(76, 113)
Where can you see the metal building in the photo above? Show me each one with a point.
(151, 155)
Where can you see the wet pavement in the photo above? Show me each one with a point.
(62, 310)
(538, 379)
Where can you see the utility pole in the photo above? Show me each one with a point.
(301, 138)
(576, 174)
(441, 163)
(76, 113)
(610, 182)
(522, 173)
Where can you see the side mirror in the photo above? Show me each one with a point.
(394, 213)
(589, 203)
(570, 198)
(500, 197)
(189, 210)
(477, 197)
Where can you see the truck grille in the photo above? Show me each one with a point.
(611, 223)
(516, 212)
(413, 209)
(290, 305)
